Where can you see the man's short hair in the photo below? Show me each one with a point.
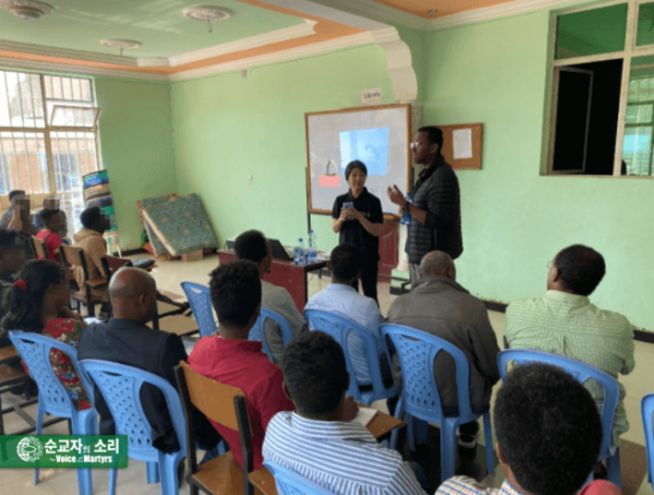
(315, 373)
(9, 240)
(346, 262)
(251, 245)
(355, 164)
(91, 217)
(434, 135)
(47, 215)
(235, 292)
(548, 429)
(16, 192)
(581, 268)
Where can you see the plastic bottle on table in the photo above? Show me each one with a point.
(312, 252)
(298, 252)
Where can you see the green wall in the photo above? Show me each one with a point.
(228, 128)
(514, 219)
(136, 146)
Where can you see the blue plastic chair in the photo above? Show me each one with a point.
(360, 362)
(120, 386)
(582, 372)
(54, 399)
(291, 483)
(420, 397)
(257, 330)
(200, 300)
(647, 412)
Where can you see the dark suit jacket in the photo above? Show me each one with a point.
(132, 343)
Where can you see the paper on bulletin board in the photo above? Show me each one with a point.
(462, 144)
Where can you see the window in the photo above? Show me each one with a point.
(602, 116)
(48, 137)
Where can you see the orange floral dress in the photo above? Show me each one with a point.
(68, 331)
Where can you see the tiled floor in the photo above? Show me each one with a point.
(168, 276)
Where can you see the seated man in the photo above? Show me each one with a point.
(253, 245)
(49, 234)
(90, 239)
(14, 196)
(12, 260)
(548, 436)
(565, 322)
(232, 359)
(441, 307)
(342, 298)
(126, 339)
(320, 441)
(19, 219)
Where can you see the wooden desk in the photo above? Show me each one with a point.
(285, 274)
(178, 324)
(381, 425)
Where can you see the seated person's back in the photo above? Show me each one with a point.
(565, 322)
(320, 441)
(126, 339)
(232, 359)
(548, 436)
(12, 260)
(92, 243)
(441, 307)
(342, 298)
(252, 245)
(49, 233)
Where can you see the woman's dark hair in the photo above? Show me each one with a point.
(355, 164)
(26, 297)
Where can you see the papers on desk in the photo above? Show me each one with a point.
(365, 415)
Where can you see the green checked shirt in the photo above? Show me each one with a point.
(570, 325)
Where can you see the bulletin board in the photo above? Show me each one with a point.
(462, 145)
(379, 136)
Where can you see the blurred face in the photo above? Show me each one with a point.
(356, 180)
(423, 152)
(51, 204)
(60, 293)
(12, 260)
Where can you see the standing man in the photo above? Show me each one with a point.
(435, 210)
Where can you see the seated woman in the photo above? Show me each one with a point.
(38, 303)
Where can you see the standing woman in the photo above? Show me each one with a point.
(357, 216)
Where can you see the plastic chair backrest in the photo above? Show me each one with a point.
(647, 413)
(120, 385)
(257, 331)
(365, 363)
(417, 351)
(200, 300)
(291, 483)
(582, 372)
(34, 350)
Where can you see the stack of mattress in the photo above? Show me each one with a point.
(97, 193)
(177, 225)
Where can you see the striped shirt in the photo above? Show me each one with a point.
(462, 485)
(570, 325)
(344, 458)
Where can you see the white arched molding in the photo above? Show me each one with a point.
(399, 63)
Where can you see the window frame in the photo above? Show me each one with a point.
(47, 130)
(630, 51)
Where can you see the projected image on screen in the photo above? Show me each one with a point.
(368, 145)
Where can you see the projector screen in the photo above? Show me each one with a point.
(378, 136)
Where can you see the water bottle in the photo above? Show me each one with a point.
(298, 252)
(312, 253)
(406, 217)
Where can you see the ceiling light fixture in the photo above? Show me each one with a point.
(28, 10)
(121, 44)
(208, 14)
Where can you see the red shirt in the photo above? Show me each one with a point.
(52, 243)
(241, 363)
